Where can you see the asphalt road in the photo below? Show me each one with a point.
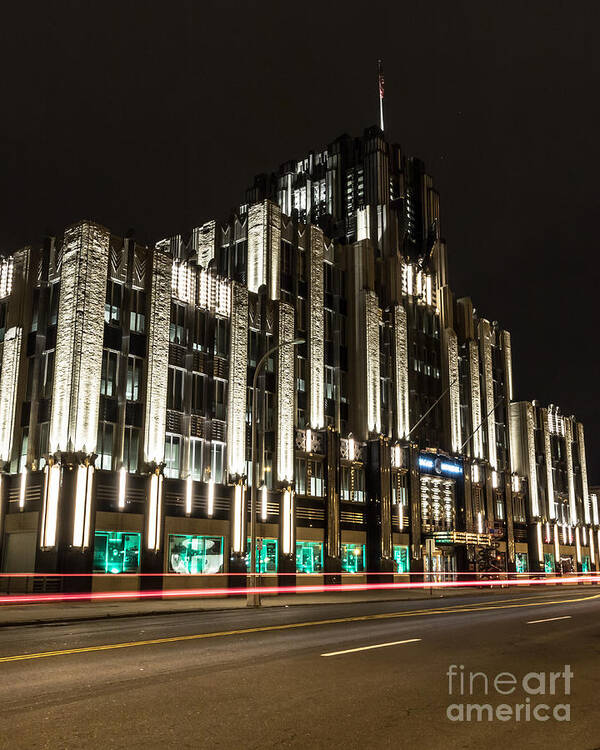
(191, 680)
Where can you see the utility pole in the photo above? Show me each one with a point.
(253, 597)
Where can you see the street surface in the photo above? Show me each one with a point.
(370, 675)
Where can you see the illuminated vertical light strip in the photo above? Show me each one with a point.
(11, 355)
(485, 340)
(238, 517)
(401, 372)
(158, 358)
(584, 479)
(592, 549)
(210, 499)
(288, 522)
(475, 388)
(285, 395)
(273, 247)
(578, 544)
(79, 338)
(506, 345)
(316, 330)
(122, 486)
(570, 476)
(547, 536)
(480, 522)
(50, 508)
(80, 501)
(548, 461)
(409, 279)
(6, 276)
(531, 462)
(454, 393)
(257, 246)
(263, 502)
(22, 488)
(372, 317)
(540, 541)
(236, 408)
(556, 544)
(308, 441)
(155, 511)
(351, 449)
(595, 513)
(429, 294)
(189, 491)
(584, 536)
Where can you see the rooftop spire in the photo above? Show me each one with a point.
(380, 82)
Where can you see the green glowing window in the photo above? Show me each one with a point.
(267, 555)
(353, 558)
(401, 558)
(116, 552)
(522, 562)
(548, 562)
(195, 554)
(309, 557)
(585, 564)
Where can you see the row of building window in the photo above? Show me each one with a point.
(119, 552)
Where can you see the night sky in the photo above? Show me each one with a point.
(156, 116)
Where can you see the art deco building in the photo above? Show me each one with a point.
(126, 396)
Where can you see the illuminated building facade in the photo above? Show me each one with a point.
(126, 395)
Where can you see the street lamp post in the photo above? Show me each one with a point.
(252, 597)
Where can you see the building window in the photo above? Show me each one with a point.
(499, 506)
(301, 476)
(217, 461)
(199, 343)
(330, 383)
(104, 446)
(317, 486)
(177, 327)
(196, 462)
(346, 482)
(401, 558)
(195, 554)
(198, 382)
(172, 455)
(301, 370)
(221, 337)
(220, 401)
(108, 378)
(112, 306)
(175, 389)
(116, 552)
(47, 373)
(24, 447)
(359, 485)
(522, 562)
(137, 316)
(267, 555)
(548, 562)
(53, 306)
(309, 557)
(131, 445)
(134, 378)
(353, 558)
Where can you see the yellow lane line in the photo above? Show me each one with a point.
(288, 626)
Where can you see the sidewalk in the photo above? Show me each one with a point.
(33, 614)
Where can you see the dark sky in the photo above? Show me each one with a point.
(157, 115)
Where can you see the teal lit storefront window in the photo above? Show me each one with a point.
(548, 562)
(267, 555)
(522, 562)
(195, 554)
(401, 558)
(585, 564)
(353, 558)
(116, 552)
(309, 557)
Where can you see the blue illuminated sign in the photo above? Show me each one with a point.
(439, 465)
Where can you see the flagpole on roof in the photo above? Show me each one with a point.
(381, 83)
